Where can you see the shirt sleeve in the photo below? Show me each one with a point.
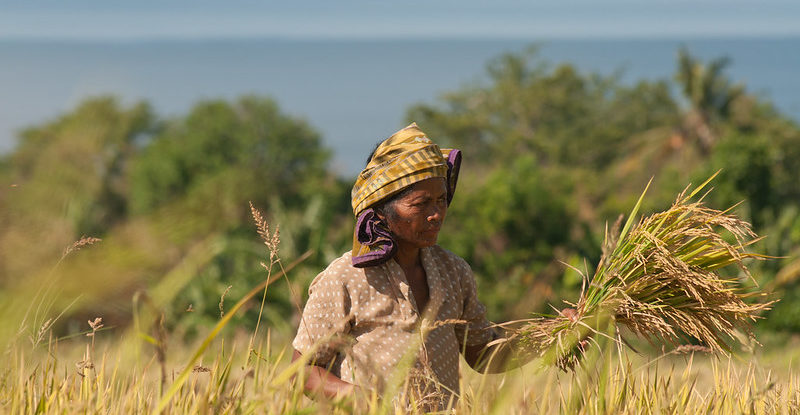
(477, 330)
(326, 319)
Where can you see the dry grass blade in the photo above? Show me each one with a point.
(661, 279)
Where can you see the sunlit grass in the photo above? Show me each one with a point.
(228, 379)
(148, 370)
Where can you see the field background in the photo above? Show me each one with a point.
(134, 208)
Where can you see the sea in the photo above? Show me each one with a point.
(353, 92)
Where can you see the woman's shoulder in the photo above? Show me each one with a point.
(451, 260)
(339, 271)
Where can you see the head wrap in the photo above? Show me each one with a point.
(405, 158)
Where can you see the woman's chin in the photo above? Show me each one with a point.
(429, 240)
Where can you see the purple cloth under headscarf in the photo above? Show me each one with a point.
(373, 232)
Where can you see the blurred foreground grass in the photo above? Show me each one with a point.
(150, 368)
(107, 376)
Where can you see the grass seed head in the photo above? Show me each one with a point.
(80, 243)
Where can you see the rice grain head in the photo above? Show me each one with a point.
(662, 281)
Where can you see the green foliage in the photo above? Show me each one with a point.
(160, 193)
(498, 227)
(704, 86)
(505, 233)
(558, 115)
(211, 164)
(551, 154)
(546, 137)
(274, 154)
(595, 143)
(70, 180)
(747, 163)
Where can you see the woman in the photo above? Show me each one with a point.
(370, 306)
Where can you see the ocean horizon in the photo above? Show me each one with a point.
(353, 91)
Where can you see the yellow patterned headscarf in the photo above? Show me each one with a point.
(405, 158)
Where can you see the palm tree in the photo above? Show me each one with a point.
(709, 93)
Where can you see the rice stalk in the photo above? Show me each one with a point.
(661, 280)
(181, 379)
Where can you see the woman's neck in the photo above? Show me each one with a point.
(407, 257)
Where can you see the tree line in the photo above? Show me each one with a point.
(551, 155)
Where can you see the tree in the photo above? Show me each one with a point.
(271, 152)
(710, 96)
(559, 115)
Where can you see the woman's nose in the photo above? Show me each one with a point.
(436, 214)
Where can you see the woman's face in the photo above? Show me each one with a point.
(418, 215)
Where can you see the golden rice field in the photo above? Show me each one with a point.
(143, 368)
(109, 373)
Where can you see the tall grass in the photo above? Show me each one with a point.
(251, 373)
(226, 380)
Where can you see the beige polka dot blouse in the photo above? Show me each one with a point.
(363, 321)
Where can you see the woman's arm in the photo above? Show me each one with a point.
(504, 355)
(319, 381)
(497, 358)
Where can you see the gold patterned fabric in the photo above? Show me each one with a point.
(408, 156)
(405, 158)
(362, 322)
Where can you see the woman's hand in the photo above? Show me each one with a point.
(319, 381)
(569, 361)
(571, 314)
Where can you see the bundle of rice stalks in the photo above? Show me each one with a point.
(661, 280)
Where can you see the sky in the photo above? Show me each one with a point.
(196, 19)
